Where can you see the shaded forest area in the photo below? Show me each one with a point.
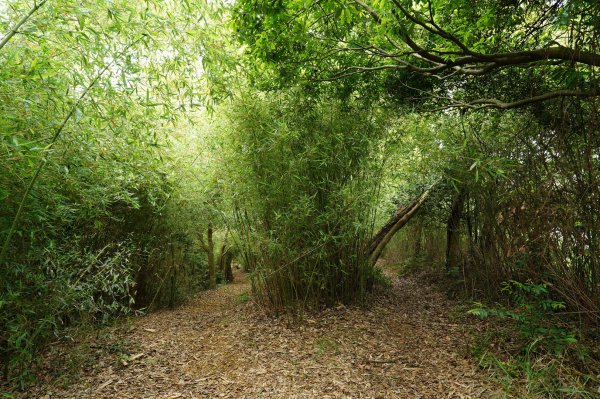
(151, 150)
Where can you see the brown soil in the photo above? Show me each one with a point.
(404, 345)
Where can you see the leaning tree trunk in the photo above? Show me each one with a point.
(402, 215)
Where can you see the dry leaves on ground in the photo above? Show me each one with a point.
(404, 345)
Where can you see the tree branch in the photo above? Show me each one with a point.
(15, 29)
(467, 61)
(470, 57)
(368, 9)
(494, 103)
(203, 243)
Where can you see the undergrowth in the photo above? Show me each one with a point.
(77, 351)
(533, 348)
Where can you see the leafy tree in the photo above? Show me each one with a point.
(432, 49)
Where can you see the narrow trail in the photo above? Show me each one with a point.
(217, 346)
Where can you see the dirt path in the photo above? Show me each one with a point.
(404, 346)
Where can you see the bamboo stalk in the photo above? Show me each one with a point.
(15, 29)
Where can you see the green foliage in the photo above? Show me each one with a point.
(88, 228)
(391, 48)
(380, 278)
(112, 169)
(327, 345)
(303, 179)
(531, 310)
(244, 297)
(529, 376)
(536, 319)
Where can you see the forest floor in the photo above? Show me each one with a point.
(406, 344)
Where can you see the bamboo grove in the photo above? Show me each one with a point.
(148, 146)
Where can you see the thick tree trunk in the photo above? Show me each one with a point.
(225, 259)
(402, 215)
(173, 268)
(210, 253)
(418, 232)
(453, 231)
(226, 266)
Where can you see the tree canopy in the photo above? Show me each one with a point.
(147, 148)
(435, 48)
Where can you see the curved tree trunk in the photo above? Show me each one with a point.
(402, 215)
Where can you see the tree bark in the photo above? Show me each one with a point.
(402, 215)
(210, 253)
(225, 259)
(418, 232)
(453, 230)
